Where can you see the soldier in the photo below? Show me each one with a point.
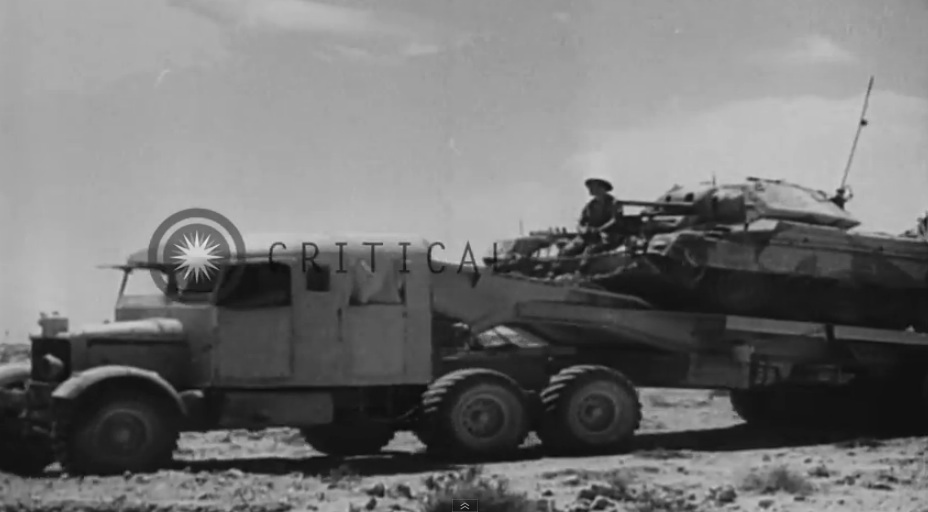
(842, 196)
(598, 220)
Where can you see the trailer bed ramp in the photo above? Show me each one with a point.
(697, 332)
(484, 300)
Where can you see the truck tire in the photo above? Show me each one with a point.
(118, 431)
(474, 413)
(348, 440)
(589, 409)
(21, 454)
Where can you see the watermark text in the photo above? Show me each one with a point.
(309, 251)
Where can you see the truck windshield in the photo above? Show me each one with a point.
(179, 288)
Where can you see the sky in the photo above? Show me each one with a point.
(455, 120)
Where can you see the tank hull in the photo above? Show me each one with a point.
(787, 270)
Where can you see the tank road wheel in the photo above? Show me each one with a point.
(474, 413)
(589, 409)
(348, 440)
(20, 454)
(119, 431)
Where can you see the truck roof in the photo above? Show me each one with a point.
(290, 245)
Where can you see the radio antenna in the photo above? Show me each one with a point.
(860, 126)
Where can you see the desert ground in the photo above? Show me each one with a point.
(692, 454)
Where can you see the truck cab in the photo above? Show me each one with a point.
(299, 331)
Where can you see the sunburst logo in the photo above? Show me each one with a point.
(196, 257)
(193, 245)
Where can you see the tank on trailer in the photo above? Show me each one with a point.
(776, 249)
(766, 248)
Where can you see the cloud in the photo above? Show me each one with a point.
(421, 49)
(387, 37)
(802, 139)
(810, 49)
(290, 15)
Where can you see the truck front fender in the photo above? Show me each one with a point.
(14, 373)
(86, 382)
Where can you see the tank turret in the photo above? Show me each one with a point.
(748, 201)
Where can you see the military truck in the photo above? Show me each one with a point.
(352, 344)
(339, 345)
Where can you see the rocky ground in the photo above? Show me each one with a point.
(692, 454)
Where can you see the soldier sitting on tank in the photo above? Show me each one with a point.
(842, 196)
(598, 229)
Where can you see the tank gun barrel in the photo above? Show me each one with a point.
(668, 207)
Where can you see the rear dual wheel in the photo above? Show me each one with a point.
(474, 413)
(589, 409)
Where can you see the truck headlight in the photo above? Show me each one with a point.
(49, 368)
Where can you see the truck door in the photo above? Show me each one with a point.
(254, 325)
(375, 322)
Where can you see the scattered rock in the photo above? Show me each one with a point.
(820, 471)
(233, 473)
(378, 490)
(723, 495)
(601, 503)
(765, 503)
(572, 480)
(402, 490)
(581, 505)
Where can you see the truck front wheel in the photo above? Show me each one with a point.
(474, 413)
(118, 432)
(589, 409)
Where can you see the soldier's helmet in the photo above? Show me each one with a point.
(596, 181)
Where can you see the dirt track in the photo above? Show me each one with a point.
(692, 454)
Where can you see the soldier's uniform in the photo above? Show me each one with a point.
(595, 214)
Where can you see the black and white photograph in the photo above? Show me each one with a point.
(463, 255)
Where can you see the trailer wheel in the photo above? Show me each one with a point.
(348, 440)
(21, 454)
(750, 405)
(589, 409)
(474, 413)
(785, 407)
(120, 431)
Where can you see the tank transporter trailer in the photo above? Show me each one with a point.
(350, 352)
